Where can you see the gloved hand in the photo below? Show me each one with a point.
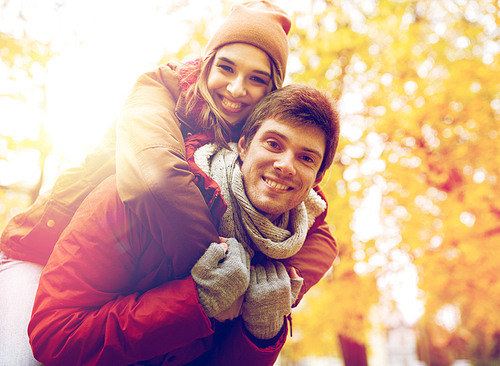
(269, 299)
(221, 278)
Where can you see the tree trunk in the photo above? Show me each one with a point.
(353, 352)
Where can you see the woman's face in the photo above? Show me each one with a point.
(240, 76)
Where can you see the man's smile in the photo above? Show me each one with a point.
(277, 185)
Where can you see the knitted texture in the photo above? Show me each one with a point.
(187, 74)
(187, 78)
(221, 278)
(315, 205)
(269, 299)
(242, 221)
(260, 24)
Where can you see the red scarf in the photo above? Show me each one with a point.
(188, 78)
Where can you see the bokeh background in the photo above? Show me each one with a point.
(413, 194)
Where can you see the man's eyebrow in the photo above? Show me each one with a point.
(284, 137)
(229, 61)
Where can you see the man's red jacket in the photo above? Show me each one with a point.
(108, 294)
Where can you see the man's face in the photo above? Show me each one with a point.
(280, 165)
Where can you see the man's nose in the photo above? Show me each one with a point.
(285, 164)
(237, 87)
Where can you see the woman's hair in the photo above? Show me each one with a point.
(210, 119)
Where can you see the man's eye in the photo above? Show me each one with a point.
(273, 144)
(308, 159)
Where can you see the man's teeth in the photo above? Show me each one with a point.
(231, 104)
(276, 185)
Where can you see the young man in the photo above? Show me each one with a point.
(109, 293)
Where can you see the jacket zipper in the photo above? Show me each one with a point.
(184, 123)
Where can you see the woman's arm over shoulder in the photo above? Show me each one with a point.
(153, 177)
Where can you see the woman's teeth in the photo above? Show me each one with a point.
(230, 104)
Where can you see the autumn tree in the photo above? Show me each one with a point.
(419, 83)
(446, 109)
(22, 100)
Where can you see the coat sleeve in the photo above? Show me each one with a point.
(153, 177)
(31, 235)
(237, 349)
(88, 309)
(316, 256)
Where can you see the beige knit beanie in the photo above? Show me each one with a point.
(260, 24)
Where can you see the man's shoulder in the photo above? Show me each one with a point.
(104, 200)
(106, 188)
(316, 206)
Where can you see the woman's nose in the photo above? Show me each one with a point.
(237, 87)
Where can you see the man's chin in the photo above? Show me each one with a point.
(270, 211)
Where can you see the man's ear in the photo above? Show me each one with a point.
(242, 152)
(319, 179)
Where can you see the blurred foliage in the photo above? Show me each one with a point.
(22, 60)
(421, 84)
(414, 181)
(23, 70)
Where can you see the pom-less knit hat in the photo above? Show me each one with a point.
(260, 24)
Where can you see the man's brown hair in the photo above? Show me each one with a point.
(299, 105)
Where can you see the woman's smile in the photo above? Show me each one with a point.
(239, 78)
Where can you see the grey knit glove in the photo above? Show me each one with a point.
(269, 299)
(221, 277)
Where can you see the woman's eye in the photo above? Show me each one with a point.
(259, 80)
(225, 68)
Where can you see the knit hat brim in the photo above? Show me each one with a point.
(260, 24)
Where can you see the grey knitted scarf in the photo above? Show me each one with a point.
(241, 221)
